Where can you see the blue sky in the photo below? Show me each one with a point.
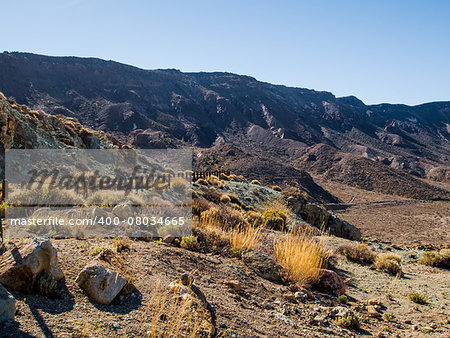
(380, 51)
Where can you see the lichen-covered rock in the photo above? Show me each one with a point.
(7, 305)
(23, 263)
(262, 265)
(101, 282)
(329, 282)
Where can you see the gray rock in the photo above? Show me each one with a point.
(7, 305)
(338, 311)
(22, 264)
(123, 211)
(262, 265)
(100, 282)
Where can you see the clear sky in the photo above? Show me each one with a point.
(393, 51)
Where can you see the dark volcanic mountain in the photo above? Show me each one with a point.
(157, 108)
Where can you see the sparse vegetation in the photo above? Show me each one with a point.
(274, 219)
(389, 263)
(349, 322)
(121, 245)
(225, 199)
(179, 184)
(359, 253)
(256, 182)
(45, 283)
(190, 243)
(439, 259)
(417, 298)
(276, 188)
(343, 299)
(96, 251)
(389, 317)
(301, 257)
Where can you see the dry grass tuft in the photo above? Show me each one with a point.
(244, 239)
(179, 185)
(439, 259)
(166, 316)
(301, 257)
(389, 263)
(359, 253)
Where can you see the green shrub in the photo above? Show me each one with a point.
(417, 298)
(190, 243)
(343, 299)
(349, 322)
(45, 283)
(95, 251)
(389, 317)
(274, 219)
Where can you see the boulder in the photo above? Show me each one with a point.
(338, 311)
(262, 265)
(123, 211)
(23, 263)
(100, 282)
(7, 305)
(329, 282)
(100, 212)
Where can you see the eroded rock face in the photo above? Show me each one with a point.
(23, 263)
(329, 282)
(101, 282)
(319, 217)
(7, 305)
(263, 265)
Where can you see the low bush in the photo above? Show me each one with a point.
(389, 263)
(276, 188)
(190, 243)
(389, 317)
(95, 251)
(199, 205)
(225, 199)
(179, 185)
(254, 218)
(343, 299)
(417, 298)
(274, 219)
(256, 182)
(359, 253)
(294, 192)
(45, 283)
(349, 322)
(439, 259)
(121, 245)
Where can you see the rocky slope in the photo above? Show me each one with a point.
(162, 108)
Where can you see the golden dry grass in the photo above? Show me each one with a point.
(244, 239)
(167, 316)
(301, 257)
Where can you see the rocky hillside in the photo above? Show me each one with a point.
(23, 128)
(168, 108)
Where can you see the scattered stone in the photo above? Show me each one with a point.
(330, 282)
(415, 327)
(339, 311)
(7, 305)
(283, 318)
(262, 265)
(408, 321)
(22, 264)
(374, 302)
(233, 284)
(123, 211)
(427, 329)
(100, 282)
(372, 311)
(169, 239)
(100, 212)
